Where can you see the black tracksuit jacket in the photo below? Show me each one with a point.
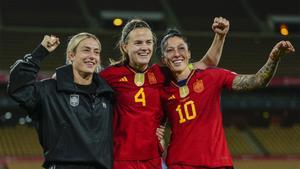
(73, 126)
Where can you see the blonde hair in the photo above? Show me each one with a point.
(75, 41)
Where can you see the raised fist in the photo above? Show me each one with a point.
(50, 42)
(220, 26)
(280, 49)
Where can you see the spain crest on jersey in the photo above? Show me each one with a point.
(198, 86)
(74, 100)
(151, 78)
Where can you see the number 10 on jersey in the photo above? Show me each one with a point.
(187, 111)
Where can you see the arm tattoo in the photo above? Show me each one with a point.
(258, 80)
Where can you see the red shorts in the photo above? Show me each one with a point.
(194, 167)
(138, 164)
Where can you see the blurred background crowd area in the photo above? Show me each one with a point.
(262, 126)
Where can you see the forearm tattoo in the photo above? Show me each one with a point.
(258, 80)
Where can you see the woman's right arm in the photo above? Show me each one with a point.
(22, 85)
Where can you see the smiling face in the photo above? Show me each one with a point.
(86, 57)
(176, 55)
(139, 47)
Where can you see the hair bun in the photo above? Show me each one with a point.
(173, 31)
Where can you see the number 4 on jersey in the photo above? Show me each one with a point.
(140, 97)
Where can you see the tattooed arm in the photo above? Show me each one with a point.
(266, 73)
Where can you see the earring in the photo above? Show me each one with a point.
(98, 69)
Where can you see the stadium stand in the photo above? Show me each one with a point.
(256, 140)
(238, 142)
(264, 163)
(279, 140)
(24, 164)
(19, 141)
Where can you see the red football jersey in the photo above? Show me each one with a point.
(197, 137)
(137, 111)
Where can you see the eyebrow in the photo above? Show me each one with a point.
(90, 47)
(180, 45)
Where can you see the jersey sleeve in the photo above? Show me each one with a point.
(228, 78)
(224, 77)
(107, 73)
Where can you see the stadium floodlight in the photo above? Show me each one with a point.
(108, 17)
(279, 23)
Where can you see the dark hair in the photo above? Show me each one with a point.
(130, 26)
(171, 32)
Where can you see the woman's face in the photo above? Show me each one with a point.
(176, 54)
(86, 58)
(139, 47)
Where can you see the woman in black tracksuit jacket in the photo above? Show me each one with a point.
(74, 110)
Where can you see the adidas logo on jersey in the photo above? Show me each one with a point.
(172, 97)
(123, 79)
